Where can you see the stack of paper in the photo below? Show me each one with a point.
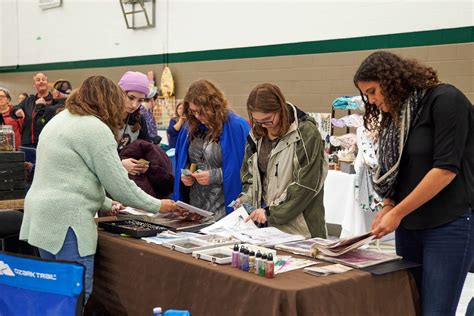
(235, 225)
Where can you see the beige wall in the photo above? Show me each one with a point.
(309, 81)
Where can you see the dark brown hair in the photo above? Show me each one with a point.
(268, 98)
(213, 105)
(398, 78)
(102, 98)
(176, 117)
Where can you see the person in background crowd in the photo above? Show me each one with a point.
(425, 172)
(6, 119)
(175, 124)
(136, 87)
(146, 110)
(213, 140)
(36, 110)
(284, 165)
(77, 162)
(22, 96)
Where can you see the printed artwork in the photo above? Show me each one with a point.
(164, 111)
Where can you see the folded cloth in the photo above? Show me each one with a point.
(348, 103)
(338, 122)
(345, 141)
(353, 120)
(158, 180)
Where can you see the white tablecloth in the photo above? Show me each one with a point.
(341, 205)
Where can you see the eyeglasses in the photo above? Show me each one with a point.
(195, 112)
(267, 123)
(133, 98)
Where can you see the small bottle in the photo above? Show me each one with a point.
(263, 265)
(252, 261)
(157, 311)
(270, 269)
(245, 264)
(235, 256)
(241, 257)
(258, 260)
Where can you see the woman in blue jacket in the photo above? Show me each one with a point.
(214, 140)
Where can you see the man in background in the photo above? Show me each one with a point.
(36, 110)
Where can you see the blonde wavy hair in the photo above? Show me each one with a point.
(102, 98)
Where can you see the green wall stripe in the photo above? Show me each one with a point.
(423, 38)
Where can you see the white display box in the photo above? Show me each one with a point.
(220, 255)
(188, 245)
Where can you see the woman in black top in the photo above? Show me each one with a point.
(425, 172)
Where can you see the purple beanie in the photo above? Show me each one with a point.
(134, 81)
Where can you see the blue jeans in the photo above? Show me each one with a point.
(70, 252)
(446, 254)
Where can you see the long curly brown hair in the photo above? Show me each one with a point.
(268, 98)
(102, 98)
(213, 106)
(398, 78)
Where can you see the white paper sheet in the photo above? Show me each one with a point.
(233, 222)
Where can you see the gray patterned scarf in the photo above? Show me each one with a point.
(391, 143)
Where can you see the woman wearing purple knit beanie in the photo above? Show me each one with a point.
(136, 86)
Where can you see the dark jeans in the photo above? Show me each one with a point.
(446, 254)
(70, 252)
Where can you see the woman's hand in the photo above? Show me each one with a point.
(187, 180)
(133, 167)
(169, 206)
(387, 224)
(237, 203)
(115, 209)
(257, 216)
(202, 177)
(379, 215)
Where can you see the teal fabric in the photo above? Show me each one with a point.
(77, 161)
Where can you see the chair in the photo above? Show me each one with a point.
(10, 223)
(34, 286)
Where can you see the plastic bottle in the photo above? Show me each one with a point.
(258, 260)
(270, 269)
(157, 311)
(241, 257)
(176, 312)
(245, 264)
(252, 261)
(263, 266)
(235, 256)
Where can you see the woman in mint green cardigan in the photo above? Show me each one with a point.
(77, 162)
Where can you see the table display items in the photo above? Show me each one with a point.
(312, 247)
(327, 270)
(361, 258)
(12, 175)
(220, 255)
(234, 224)
(167, 236)
(133, 228)
(191, 244)
(171, 220)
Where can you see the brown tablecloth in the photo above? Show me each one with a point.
(131, 277)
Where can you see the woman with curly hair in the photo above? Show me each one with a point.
(425, 172)
(213, 139)
(76, 163)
